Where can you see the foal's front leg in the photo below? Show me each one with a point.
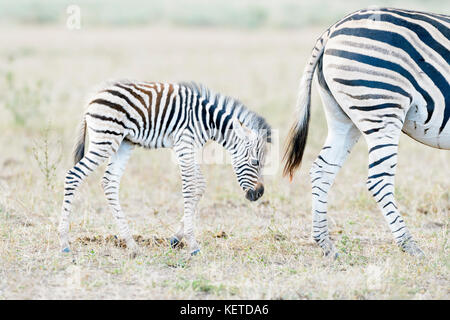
(190, 177)
(200, 186)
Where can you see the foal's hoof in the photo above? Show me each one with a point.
(133, 250)
(133, 254)
(195, 252)
(333, 255)
(328, 249)
(174, 242)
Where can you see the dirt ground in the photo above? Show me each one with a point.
(259, 250)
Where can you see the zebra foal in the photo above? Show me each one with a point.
(380, 72)
(181, 116)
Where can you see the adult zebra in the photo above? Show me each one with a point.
(181, 116)
(380, 72)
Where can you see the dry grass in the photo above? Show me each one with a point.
(260, 250)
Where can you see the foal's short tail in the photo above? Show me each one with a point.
(298, 134)
(78, 150)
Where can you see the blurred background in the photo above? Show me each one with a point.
(54, 53)
(243, 14)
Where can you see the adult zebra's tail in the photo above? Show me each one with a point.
(298, 134)
(78, 150)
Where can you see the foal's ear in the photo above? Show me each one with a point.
(242, 131)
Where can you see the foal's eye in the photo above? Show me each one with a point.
(255, 162)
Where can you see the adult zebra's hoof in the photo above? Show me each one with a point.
(419, 254)
(413, 249)
(174, 242)
(195, 252)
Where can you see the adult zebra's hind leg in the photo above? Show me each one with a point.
(111, 185)
(383, 147)
(342, 136)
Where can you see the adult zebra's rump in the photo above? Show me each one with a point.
(181, 116)
(380, 72)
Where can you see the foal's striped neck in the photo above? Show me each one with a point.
(217, 112)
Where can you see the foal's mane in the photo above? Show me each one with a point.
(250, 118)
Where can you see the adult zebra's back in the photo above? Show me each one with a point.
(380, 72)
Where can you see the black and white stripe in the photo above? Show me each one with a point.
(380, 72)
(181, 116)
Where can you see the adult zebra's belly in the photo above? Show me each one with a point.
(427, 134)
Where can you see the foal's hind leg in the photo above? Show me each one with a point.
(111, 185)
(342, 135)
(96, 155)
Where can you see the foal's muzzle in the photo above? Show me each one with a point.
(254, 195)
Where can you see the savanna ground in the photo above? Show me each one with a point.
(259, 250)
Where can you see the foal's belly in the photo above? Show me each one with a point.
(155, 143)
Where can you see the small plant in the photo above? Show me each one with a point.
(172, 260)
(362, 201)
(204, 285)
(352, 250)
(434, 200)
(44, 152)
(276, 234)
(23, 100)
